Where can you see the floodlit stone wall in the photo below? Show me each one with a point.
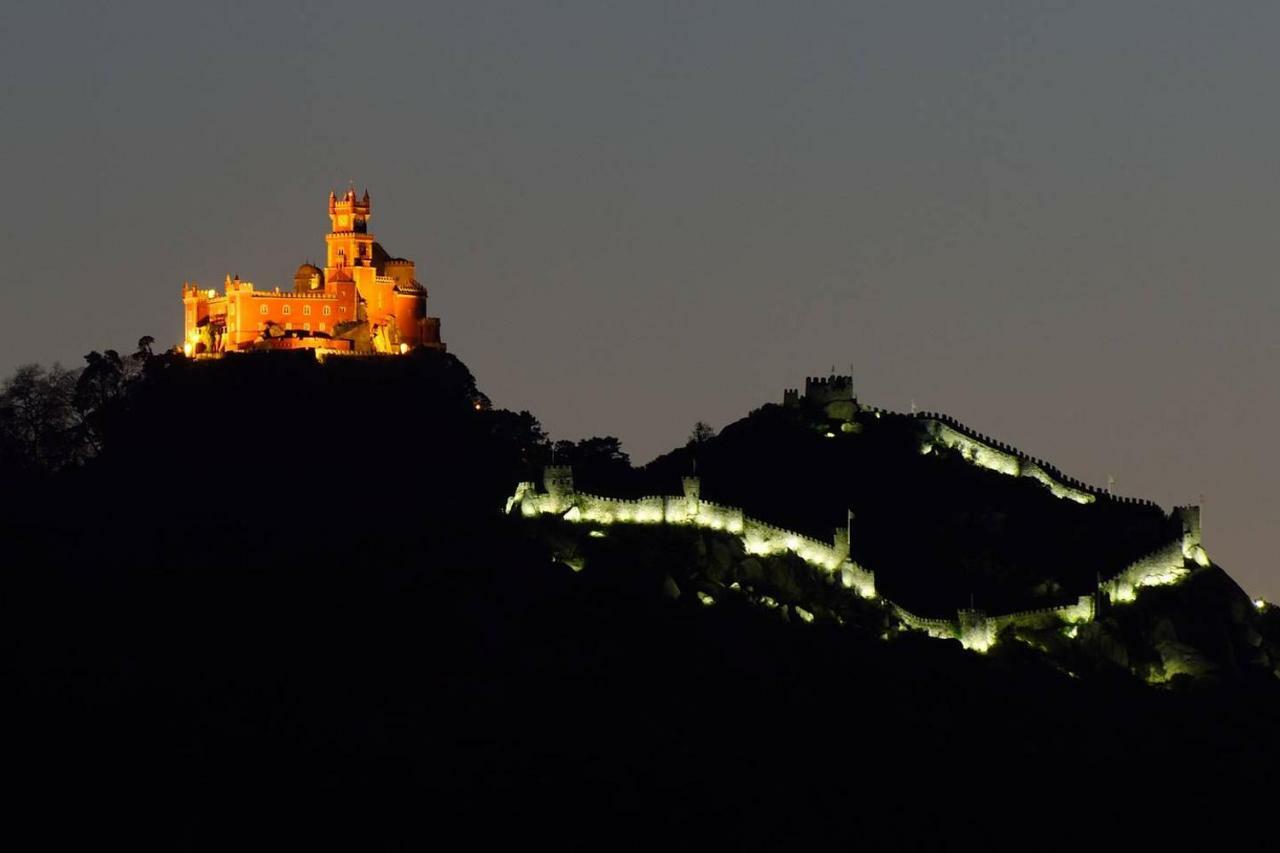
(978, 631)
(758, 537)
(942, 629)
(983, 450)
(973, 628)
(989, 453)
(1162, 567)
(1046, 617)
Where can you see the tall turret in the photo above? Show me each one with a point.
(349, 243)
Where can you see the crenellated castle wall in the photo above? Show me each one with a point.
(983, 450)
(1046, 617)
(559, 497)
(973, 628)
(994, 455)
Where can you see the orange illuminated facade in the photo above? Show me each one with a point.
(363, 301)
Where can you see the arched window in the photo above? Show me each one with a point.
(262, 309)
(286, 310)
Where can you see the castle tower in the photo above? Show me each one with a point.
(1192, 547)
(840, 542)
(349, 243)
(692, 487)
(977, 632)
(557, 480)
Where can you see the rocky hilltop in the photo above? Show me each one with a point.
(949, 532)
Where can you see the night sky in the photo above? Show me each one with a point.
(1055, 221)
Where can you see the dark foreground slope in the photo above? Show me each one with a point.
(192, 660)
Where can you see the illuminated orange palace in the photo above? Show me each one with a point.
(363, 301)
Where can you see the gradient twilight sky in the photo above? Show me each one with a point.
(1056, 221)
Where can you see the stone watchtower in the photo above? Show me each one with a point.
(833, 394)
(692, 495)
(557, 481)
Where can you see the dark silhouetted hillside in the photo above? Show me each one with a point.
(271, 590)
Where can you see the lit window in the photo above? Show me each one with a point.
(306, 327)
(342, 308)
(322, 325)
(288, 326)
(306, 310)
(262, 309)
(327, 311)
(286, 310)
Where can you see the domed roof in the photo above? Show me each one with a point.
(308, 277)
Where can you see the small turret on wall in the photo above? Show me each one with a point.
(841, 542)
(977, 632)
(692, 487)
(1192, 547)
(557, 481)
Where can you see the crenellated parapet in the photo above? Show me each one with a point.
(826, 389)
(291, 295)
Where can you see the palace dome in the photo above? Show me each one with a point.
(308, 277)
